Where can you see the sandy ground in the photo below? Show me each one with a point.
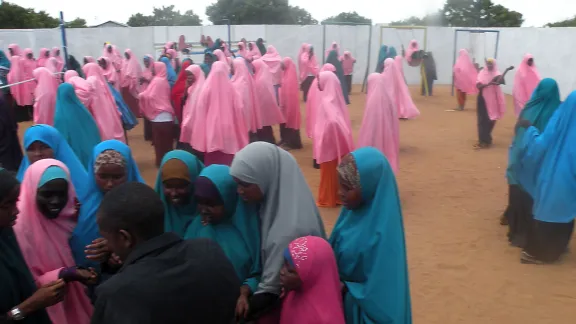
(462, 269)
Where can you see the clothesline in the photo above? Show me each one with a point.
(20, 82)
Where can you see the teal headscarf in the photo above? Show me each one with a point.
(4, 69)
(217, 45)
(382, 55)
(335, 60)
(75, 123)
(369, 246)
(239, 233)
(206, 67)
(538, 111)
(177, 219)
(391, 52)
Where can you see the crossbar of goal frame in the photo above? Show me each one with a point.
(324, 24)
(422, 65)
(472, 31)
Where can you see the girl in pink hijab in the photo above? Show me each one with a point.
(43, 57)
(254, 51)
(266, 102)
(219, 129)
(195, 80)
(52, 66)
(145, 79)
(465, 75)
(59, 61)
(20, 92)
(312, 102)
(174, 59)
(83, 89)
(491, 104)
(111, 51)
(48, 215)
(401, 99)
(225, 49)
(44, 96)
(290, 106)
(274, 62)
(242, 50)
(103, 106)
(380, 126)
(89, 59)
(332, 137)
(109, 72)
(222, 58)
(29, 64)
(525, 81)
(333, 47)
(130, 85)
(243, 83)
(411, 58)
(156, 107)
(13, 50)
(312, 290)
(308, 67)
(348, 66)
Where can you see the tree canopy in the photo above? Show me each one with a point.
(165, 16)
(563, 23)
(76, 23)
(13, 16)
(258, 12)
(347, 17)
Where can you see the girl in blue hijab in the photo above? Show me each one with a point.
(209, 59)
(75, 123)
(111, 165)
(129, 121)
(228, 220)
(335, 60)
(546, 168)
(538, 111)
(175, 186)
(368, 241)
(45, 142)
(170, 73)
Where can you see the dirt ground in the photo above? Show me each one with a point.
(462, 269)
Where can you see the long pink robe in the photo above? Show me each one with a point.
(401, 99)
(525, 81)
(156, 98)
(45, 247)
(265, 95)
(243, 83)
(289, 95)
(465, 73)
(110, 73)
(29, 65)
(493, 95)
(189, 109)
(45, 96)
(312, 102)
(83, 89)
(55, 53)
(42, 58)
(274, 62)
(19, 92)
(131, 73)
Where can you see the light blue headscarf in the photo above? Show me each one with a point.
(538, 111)
(170, 73)
(546, 166)
(239, 233)
(86, 229)
(129, 121)
(62, 152)
(75, 123)
(369, 246)
(177, 219)
(52, 173)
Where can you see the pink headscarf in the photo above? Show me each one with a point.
(28, 67)
(525, 81)
(45, 96)
(189, 109)
(44, 244)
(265, 95)
(89, 59)
(254, 53)
(131, 73)
(219, 122)
(274, 62)
(147, 72)
(114, 57)
(103, 105)
(69, 74)
(465, 73)
(173, 56)
(243, 83)
(413, 47)
(42, 58)
(347, 63)
(319, 299)
(242, 51)
(82, 88)
(401, 98)
(222, 58)
(16, 49)
(156, 98)
(20, 92)
(60, 62)
(312, 102)
(289, 96)
(332, 127)
(168, 46)
(110, 73)
(380, 126)
(226, 50)
(52, 66)
(333, 47)
(308, 65)
(493, 95)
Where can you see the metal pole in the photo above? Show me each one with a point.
(323, 44)
(368, 64)
(454, 57)
(24, 81)
(497, 42)
(229, 41)
(64, 46)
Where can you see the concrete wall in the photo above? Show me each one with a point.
(550, 46)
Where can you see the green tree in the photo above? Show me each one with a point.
(13, 16)
(348, 17)
(76, 23)
(480, 13)
(258, 12)
(563, 23)
(165, 16)
(434, 19)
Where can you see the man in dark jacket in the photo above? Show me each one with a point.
(164, 279)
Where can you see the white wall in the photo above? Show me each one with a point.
(551, 47)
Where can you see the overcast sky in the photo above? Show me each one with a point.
(536, 13)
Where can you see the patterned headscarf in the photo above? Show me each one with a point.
(349, 172)
(109, 157)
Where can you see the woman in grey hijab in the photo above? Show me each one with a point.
(270, 176)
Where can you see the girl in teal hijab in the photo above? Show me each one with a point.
(368, 241)
(209, 59)
(382, 55)
(228, 220)
(175, 185)
(335, 60)
(75, 124)
(4, 69)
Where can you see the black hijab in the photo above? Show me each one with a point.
(10, 150)
(16, 282)
(73, 64)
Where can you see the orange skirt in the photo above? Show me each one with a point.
(328, 191)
